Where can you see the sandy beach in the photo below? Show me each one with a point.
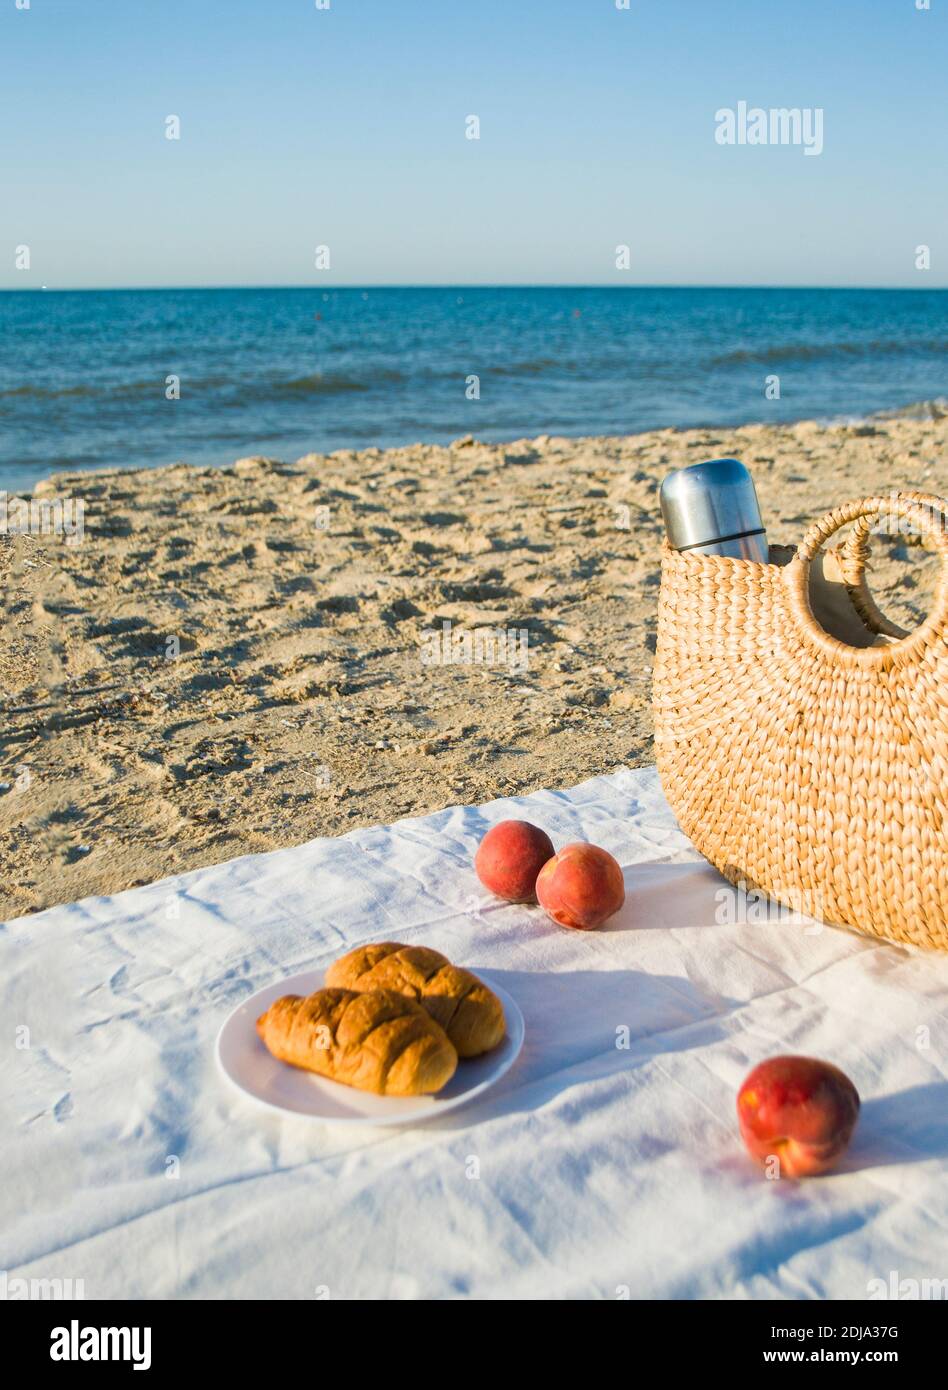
(235, 660)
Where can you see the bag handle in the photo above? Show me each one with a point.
(930, 516)
(853, 556)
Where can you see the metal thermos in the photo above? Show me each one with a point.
(712, 508)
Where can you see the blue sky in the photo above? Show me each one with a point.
(346, 127)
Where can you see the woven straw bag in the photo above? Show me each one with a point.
(811, 769)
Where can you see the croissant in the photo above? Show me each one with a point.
(470, 1013)
(379, 1042)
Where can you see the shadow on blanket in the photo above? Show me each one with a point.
(586, 1025)
(906, 1127)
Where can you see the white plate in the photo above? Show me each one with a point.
(248, 1065)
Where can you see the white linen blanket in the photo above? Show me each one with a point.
(592, 1170)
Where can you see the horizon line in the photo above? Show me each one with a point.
(447, 285)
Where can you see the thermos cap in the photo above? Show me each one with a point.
(709, 503)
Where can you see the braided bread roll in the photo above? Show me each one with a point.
(379, 1042)
(470, 1013)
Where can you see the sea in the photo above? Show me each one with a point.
(142, 378)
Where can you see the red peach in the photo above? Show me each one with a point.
(799, 1110)
(509, 858)
(581, 886)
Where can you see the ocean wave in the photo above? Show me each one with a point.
(44, 393)
(331, 383)
(314, 384)
(936, 409)
(97, 390)
(533, 366)
(813, 352)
